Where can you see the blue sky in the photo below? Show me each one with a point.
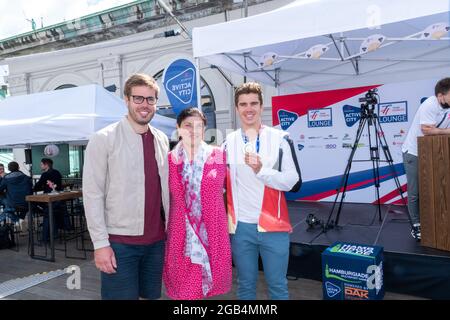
(15, 13)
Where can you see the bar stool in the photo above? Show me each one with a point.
(75, 213)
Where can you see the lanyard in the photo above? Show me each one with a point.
(246, 140)
(443, 119)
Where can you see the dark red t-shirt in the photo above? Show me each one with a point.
(153, 223)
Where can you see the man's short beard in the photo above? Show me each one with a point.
(141, 122)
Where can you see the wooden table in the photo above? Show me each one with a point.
(48, 198)
(434, 191)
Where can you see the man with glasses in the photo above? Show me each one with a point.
(126, 199)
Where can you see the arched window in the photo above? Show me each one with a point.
(65, 86)
(208, 104)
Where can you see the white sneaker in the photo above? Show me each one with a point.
(415, 232)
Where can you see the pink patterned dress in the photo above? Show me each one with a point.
(183, 279)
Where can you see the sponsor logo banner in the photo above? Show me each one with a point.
(318, 118)
(352, 272)
(356, 293)
(393, 112)
(351, 115)
(181, 85)
(286, 118)
(332, 289)
(332, 117)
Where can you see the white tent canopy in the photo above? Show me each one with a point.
(339, 27)
(68, 115)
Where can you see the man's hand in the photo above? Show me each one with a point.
(253, 161)
(105, 260)
(428, 130)
(50, 184)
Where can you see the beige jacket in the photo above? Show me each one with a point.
(114, 181)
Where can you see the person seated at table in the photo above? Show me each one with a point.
(48, 174)
(52, 178)
(17, 186)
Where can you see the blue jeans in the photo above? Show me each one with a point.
(9, 212)
(138, 274)
(60, 220)
(247, 244)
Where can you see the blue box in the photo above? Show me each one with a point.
(352, 272)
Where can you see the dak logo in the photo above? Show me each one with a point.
(393, 112)
(286, 118)
(351, 114)
(355, 293)
(320, 118)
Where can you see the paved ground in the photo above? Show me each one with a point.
(15, 265)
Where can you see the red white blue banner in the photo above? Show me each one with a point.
(323, 126)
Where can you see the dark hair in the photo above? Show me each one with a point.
(247, 88)
(443, 86)
(1, 165)
(138, 80)
(190, 112)
(48, 162)
(13, 166)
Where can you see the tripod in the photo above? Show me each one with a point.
(369, 118)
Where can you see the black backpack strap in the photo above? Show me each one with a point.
(280, 158)
(298, 185)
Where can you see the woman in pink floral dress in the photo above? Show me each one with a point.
(198, 254)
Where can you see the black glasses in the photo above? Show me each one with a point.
(140, 99)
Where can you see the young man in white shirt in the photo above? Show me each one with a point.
(432, 118)
(262, 165)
